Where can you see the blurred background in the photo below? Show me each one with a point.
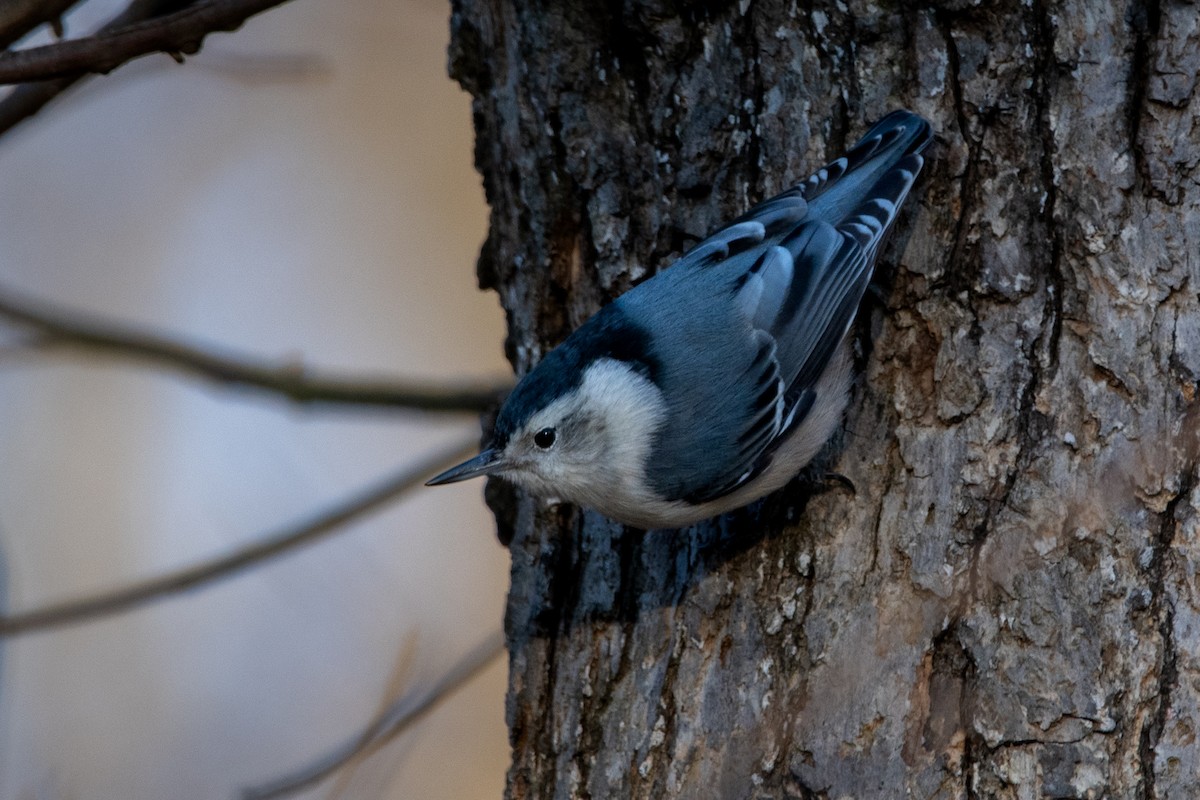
(303, 188)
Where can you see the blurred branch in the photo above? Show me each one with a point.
(24, 101)
(20, 17)
(76, 330)
(24, 347)
(387, 726)
(180, 32)
(267, 547)
(265, 68)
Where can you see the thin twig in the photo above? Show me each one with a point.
(406, 711)
(291, 381)
(24, 101)
(19, 17)
(181, 32)
(323, 524)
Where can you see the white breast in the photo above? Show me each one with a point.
(626, 410)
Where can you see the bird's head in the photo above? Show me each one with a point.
(578, 427)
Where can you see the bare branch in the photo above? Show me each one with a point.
(307, 532)
(292, 381)
(387, 726)
(181, 32)
(24, 101)
(19, 17)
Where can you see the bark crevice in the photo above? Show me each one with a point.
(1144, 18)
(1163, 610)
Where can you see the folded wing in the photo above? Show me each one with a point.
(797, 266)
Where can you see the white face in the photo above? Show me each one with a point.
(591, 445)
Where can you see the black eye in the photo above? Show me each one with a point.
(544, 438)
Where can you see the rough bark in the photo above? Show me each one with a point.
(1008, 604)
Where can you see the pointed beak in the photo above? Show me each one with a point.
(485, 463)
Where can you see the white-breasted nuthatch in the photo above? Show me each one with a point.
(714, 382)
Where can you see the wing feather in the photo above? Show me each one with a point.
(797, 266)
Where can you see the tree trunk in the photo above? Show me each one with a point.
(1006, 605)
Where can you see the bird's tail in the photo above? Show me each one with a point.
(861, 191)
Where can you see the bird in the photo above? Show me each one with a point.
(714, 382)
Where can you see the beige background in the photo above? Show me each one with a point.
(302, 188)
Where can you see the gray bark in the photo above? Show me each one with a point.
(1007, 606)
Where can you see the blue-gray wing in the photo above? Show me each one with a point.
(794, 270)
